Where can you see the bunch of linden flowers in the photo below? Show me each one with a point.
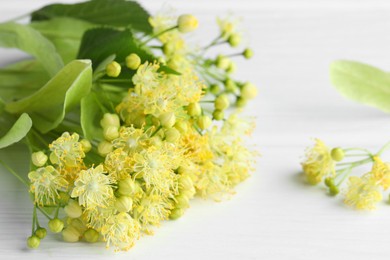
(166, 134)
(334, 166)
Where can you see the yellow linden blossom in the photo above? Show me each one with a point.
(196, 146)
(96, 217)
(318, 163)
(45, 184)
(212, 182)
(381, 173)
(130, 139)
(121, 231)
(146, 79)
(67, 150)
(93, 188)
(131, 110)
(363, 193)
(119, 164)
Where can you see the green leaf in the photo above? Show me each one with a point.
(91, 114)
(65, 33)
(48, 106)
(25, 38)
(363, 83)
(21, 79)
(117, 13)
(100, 43)
(19, 130)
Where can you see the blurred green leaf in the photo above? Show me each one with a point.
(363, 83)
(19, 130)
(117, 13)
(91, 114)
(65, 33)
(27, 39)
(48, 106)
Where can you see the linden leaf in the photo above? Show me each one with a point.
(19, 130)
(90, 117)
(362, 83)
(47, 107)
(117, 13)
(25, 38)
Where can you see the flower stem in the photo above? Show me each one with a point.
(384, 148)
(158, 34)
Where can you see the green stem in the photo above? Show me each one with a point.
(213, 43)
(357, 163)
(155, 132)
(158, 34)
(14, 173)
(384, 148)
(57, 211)
(34, 220)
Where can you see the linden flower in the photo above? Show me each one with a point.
(45, 184)
(67, 149)
(130, 139)
(363, 193)
(146, 77)
(93, 188)
(381, 173)
(119, 164)
(121, 231)
(153, 209)
(318, 163)
(212, 181)
(96, 217)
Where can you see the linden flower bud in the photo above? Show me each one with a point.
(248, 91)
(63, 197)
(110, 133)
(126, 186)
(234, 40)
(231, 86)
(113, 69)
(194, 109)
(77, 223)
(91, 235)
(176, 213)
(337, 154)
(86, 145)
(186, 182)
(71, 234)
(110, 120)
(329, 181)
(73, 209)
(181, 126)
(334, 190)
(54, 158)
(204, 122)
(222, 62)
(41, 233)
(56, 225)
(182, 201)
(221, 102)
(169, 48)
(123, 204)
(39, 159)
(215, 89)
(241, 102)
(187, 23)
(167, 119)
(172, 135)
(232, 68)
(248, 53)
(105, 148)
(33, 242)
(133, 61)
(218, 115)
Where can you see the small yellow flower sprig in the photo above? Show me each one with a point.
(329, 166)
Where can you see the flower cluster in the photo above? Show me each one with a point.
(169, 138)
(334, 167)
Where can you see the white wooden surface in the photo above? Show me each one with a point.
(274, 215)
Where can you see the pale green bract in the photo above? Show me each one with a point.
(363, 83)
(18, 131)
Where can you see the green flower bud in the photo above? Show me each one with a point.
(188, 192)
(194, 109)
(182, 201)
(329, 181)
(231, 86)
(86, 145)
(187, 23)
(105, 148)
(169, 48)
(241, 102)
(248, 53)
(172, 135)
(232, 68)
(71, 234)
(186, 182)
(113, 69)
(110, 133)
(204, 122)
(78, 224)
(167, 119)
(181, 126)
(218, 115)
(63, 198)
(333, 190)
(126, 186)
(39, 158)
(56, 225)
(133, 61)
(73, 209)
(222, 62)
(123, 204)
(110, 120)
(337, 154)
(33, 242)
(54, 158)
(248, 91)
(221, 102)
(215, 89)
(176, 213)
(91, 235)
(234, 40)
(41, 233)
